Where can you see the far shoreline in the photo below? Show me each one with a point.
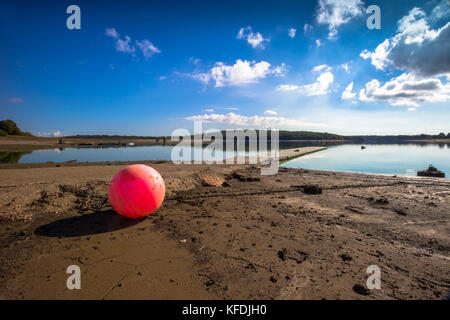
(31, 143)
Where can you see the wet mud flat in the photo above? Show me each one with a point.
(225, 232)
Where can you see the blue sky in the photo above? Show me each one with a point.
(147, 68)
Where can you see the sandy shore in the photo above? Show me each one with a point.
(262, 237)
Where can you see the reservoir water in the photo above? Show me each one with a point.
(401, 159)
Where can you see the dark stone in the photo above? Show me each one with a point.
(382, 201)
(312, 189)
(226, 184)
(359, 289)
(210, 282)
(346, 257)
(282, 254)
(400, 212)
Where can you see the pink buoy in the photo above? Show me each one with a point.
(136, 191)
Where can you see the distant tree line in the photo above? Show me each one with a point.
(398, 138)
(9, 127)
(308, 135)
(285, 135)
(291, 135)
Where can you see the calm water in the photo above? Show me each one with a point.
(110, 154)
(401, 159)
(102, 154)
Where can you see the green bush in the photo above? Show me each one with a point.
(11, 128)
(3, 133)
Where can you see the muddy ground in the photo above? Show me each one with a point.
(300, 234)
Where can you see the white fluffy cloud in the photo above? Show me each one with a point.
(57, 133)
(337, 12)
(253, 121)
(124, 44)
(288, 87)
(348, 94)
(406, 90)
(280, 70)
(111, 32)
(307, 28)
(322, 67)
(441, 11)
(319, 87)
(292, 32)
(270, 112)
(256, 40)
(346, 67)
(147, 48)
(421, 52)
(416, 47)
(242, 72)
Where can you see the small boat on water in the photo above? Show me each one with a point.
(431, 172)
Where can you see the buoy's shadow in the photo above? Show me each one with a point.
(88, 224)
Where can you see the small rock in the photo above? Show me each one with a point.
(400, 212)
(312, 189)
(359, 289)
(250, 266)
(282, 254)
(345, 257)
(382, 201)
(210, 282)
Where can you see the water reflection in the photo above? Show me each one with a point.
(127, 153)
(12, 156)
(401, 159)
